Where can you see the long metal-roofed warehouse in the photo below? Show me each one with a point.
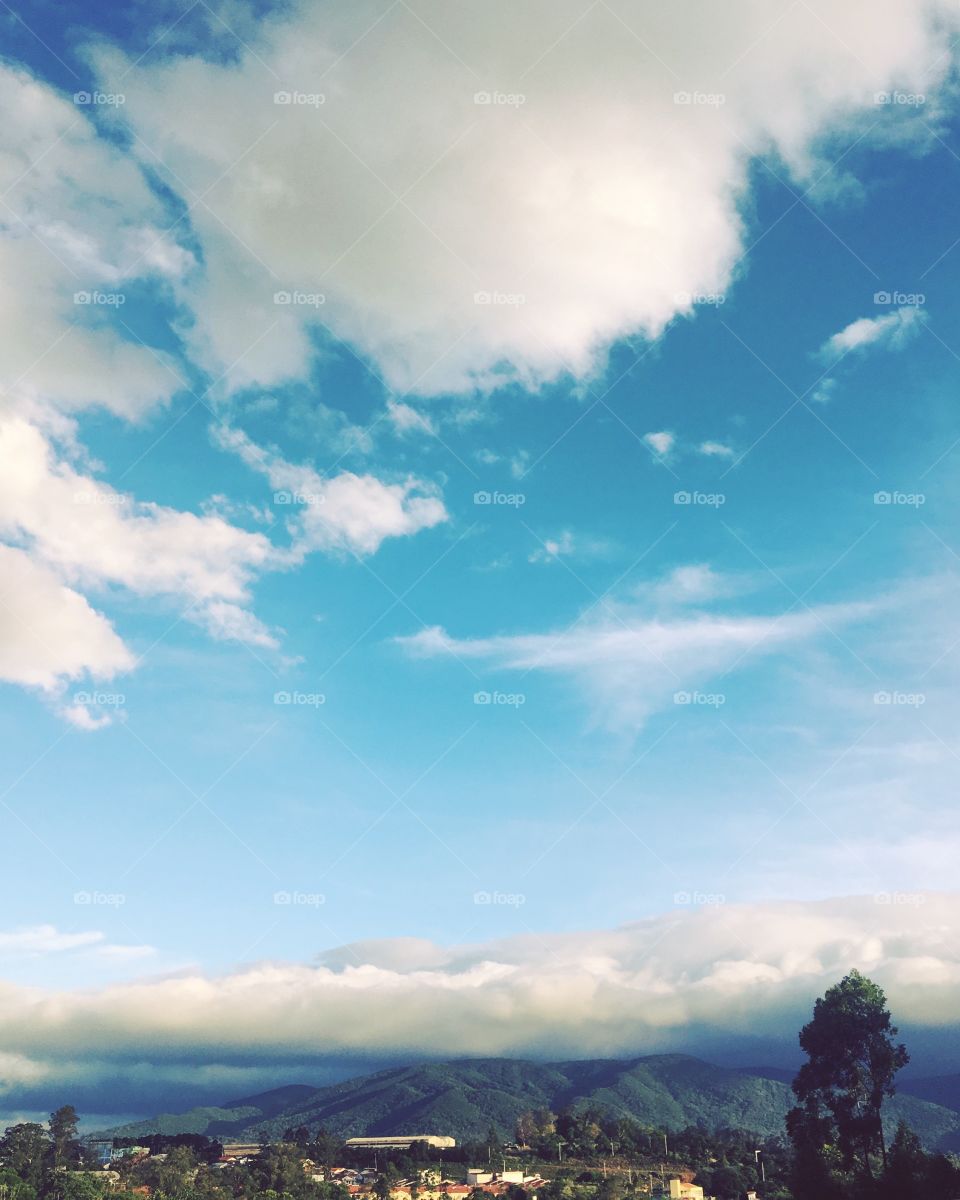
(402, 1141)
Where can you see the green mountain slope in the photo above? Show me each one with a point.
(465, 1097)
(229, 1120)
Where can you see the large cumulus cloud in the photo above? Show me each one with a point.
(482, 193)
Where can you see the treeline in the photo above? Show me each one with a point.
(35, 1162)
(206, 1149)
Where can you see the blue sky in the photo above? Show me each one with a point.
(632, 414)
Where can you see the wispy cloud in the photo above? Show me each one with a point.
(892, 331)
(631, 661)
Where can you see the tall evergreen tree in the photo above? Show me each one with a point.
(852, 1059)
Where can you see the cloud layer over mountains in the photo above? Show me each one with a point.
(705, 972)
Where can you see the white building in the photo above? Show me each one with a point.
(685, 1191)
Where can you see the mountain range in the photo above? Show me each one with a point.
(465, 1097)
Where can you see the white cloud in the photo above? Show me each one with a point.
(655, 984)
(346, 511)
(405, 419)
(691, 583)
(518, 463)
(80, 226)
(893, 331)
(715, 450)
(413, 183)
(824, 392)
(77, 529)
(93, 536)
(660, 443)
(49, 634)
(569, 545)
(42, 940)
(553, 548)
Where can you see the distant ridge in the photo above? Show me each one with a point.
(231, 1118)
(465, 1097)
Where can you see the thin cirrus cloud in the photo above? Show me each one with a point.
(631, 662)
(41, 941)
(697, 971)
(444, 190)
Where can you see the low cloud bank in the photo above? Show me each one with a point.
(705, 974)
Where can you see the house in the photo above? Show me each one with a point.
(685, 1191)
(478, 1177)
